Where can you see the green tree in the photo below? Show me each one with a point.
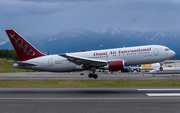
(8, 54)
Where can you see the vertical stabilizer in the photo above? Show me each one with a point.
(23, 48)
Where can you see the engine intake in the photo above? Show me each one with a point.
(114, 65)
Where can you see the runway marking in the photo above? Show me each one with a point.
(163, 94)
(85, 98)
(157, 89)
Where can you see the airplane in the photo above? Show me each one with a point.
(166, 70)
(150, 66)
(111, 59)
(144, 67)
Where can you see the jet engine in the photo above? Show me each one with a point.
(114, 65)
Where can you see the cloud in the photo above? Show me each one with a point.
(66, 0)
(135, 18)
(53, 16)
(19, 8)
(3, 42)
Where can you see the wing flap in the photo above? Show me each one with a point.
(84, 61)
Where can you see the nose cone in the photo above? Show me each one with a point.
(172, 53)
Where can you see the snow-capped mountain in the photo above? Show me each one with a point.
(75, 40)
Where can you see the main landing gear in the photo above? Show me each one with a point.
(95, 76)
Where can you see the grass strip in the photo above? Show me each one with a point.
(7, 67)
(89, 83)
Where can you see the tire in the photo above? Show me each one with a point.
(161, 68)
(90, 75)
(95, 76)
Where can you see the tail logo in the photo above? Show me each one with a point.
(19, 43)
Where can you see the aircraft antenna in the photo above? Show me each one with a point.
(101, 46)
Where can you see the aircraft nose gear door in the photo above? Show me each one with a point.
(156, 53)
(50, 62)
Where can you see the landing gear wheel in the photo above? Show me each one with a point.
(95, 76)
(90, 75)
(161, 68)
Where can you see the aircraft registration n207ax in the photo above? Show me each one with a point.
(111, 59)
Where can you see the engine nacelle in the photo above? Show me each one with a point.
(114, 65)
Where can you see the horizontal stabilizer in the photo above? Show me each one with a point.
(23, 63)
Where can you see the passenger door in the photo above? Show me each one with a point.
(156, 53)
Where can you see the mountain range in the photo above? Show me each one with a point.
(75, 40)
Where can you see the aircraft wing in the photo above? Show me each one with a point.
(23, 63)
(84, 61)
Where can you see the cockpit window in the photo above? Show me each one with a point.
(167, 49)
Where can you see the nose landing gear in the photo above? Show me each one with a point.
(161, 67)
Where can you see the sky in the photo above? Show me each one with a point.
(53, 16)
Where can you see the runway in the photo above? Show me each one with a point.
(77, 76)
(89, 100)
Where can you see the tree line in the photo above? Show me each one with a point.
(8, 54)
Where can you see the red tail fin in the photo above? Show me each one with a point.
(23, 48)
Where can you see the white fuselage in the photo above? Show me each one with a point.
(150, 66)
(130, 56)
(166, 70)
(145, 67)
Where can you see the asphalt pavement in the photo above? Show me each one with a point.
(89, 100)
(77, 76)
